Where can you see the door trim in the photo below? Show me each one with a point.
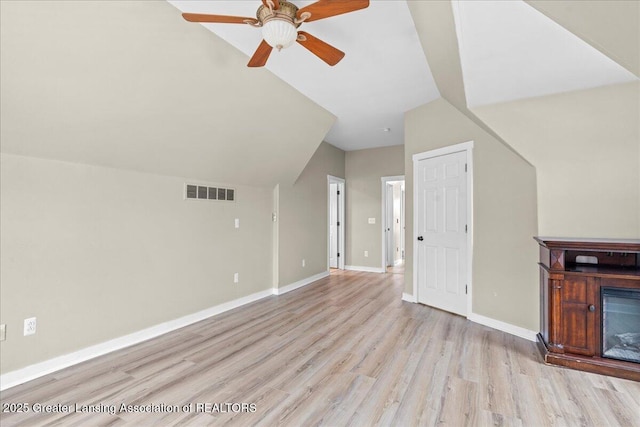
(341, 187)
(456, 148)
(383, 217)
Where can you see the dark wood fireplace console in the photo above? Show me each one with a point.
(573, 274)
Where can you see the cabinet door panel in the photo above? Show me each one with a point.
(578, 322)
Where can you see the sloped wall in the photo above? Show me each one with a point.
(611, 26)
(585, 146)
(132, 85)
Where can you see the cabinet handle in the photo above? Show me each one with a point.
(592, 308)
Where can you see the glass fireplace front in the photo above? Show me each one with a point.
(621, 324)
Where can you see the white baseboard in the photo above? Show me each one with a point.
(364, 269)
(20, 376)
(300, 283)
(13, 378)
(503, 326)
(409, 298)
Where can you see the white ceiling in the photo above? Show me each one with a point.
(508, 51)
(383, 74)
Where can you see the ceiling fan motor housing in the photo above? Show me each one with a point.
(279, 26)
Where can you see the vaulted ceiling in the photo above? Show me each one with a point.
(131, 84)
(507, 50)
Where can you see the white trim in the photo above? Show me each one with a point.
(407, 297)
(14, 378)
(31, 372)
(468, 148)
(383, 218)
(341, 230)
(364, 269)
(503, 326)
(300, 283)
(275, 248)
(463, 146)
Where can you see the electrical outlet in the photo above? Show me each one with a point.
(29, 326)
(372, 220)
(366, 254)
(236, 278)
(3, 332)
(304, 263)
(237, 222)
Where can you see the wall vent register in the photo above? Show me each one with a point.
(199, 192)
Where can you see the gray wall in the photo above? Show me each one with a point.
(104, 245)
(505, 273)
(585, 146)
(303, 217)
(97, 253)
(364, 170)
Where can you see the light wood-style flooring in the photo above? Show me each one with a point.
(343, 351)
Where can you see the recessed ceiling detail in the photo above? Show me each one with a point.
(509, 51)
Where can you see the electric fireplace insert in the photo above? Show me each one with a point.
(621, 324)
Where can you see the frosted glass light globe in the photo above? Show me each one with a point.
(279, 33)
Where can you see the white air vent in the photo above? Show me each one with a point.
(201, 192)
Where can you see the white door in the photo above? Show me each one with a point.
(397, 227)
(333, 225)
(389, 225)
(441, 232)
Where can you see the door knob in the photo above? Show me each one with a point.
(420, 238)
(592, 308)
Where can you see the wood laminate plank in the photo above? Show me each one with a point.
(345, 350)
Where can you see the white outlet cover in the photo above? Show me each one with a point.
(372, 220)
(237, 222)
(366, 253)
(236, 278)
(30, 326)
(304, 262)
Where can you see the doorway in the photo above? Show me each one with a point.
(335, 216)
(393, 224)
(442, 228)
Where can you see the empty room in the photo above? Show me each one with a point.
(332, 213)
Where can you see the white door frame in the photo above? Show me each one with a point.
(468, 148)
(383, 221)
(341, 187)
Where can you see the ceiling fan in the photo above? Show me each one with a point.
(280, 20)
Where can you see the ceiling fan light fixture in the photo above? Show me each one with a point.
(279, 33)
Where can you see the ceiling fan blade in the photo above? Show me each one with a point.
(220, 19)
(326, 8)
(261, 55)
(322, 50)
(276, 4)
